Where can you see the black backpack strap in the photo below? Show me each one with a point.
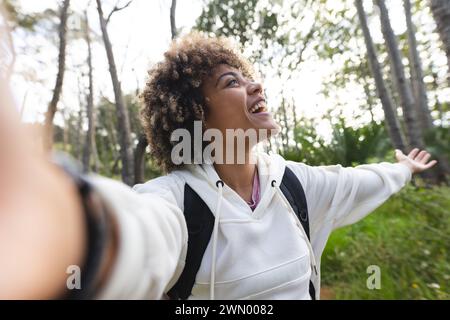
(294, 193)
(200, 224)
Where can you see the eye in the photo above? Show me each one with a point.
(232, 82)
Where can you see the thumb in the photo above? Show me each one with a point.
(399, 154)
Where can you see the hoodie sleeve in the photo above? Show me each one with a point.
(152, 242)
(339, 196)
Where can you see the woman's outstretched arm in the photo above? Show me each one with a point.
(43, 229)
(339, 196)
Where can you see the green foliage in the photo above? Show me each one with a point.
(407, 237)
(437, 141)
(265, 29)
(242, 20)
(348, 146)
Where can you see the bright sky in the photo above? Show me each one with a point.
(140, 34)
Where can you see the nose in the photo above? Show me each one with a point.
(254, 88)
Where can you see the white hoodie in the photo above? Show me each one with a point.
(260, 254)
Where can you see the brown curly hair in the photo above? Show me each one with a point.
(172, 96)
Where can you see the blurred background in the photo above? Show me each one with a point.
(348, 80)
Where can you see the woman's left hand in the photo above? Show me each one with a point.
(416, 161)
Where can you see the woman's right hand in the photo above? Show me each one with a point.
(41, 220)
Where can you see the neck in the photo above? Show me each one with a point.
(238, 176)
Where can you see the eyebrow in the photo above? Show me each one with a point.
(226, 74)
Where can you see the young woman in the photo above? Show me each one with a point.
(135, 242)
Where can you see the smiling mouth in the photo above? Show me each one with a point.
(258, 107)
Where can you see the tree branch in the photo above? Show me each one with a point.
(117, 8)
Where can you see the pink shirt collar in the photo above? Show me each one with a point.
(256, 193)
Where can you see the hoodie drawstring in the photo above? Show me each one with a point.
(289, 207)
(219, 184)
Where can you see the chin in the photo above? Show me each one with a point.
(270, 126)
(267, 131)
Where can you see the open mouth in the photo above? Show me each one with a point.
(258, 107)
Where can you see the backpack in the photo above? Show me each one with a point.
(200, 223)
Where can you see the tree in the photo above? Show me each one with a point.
(173, 27)
(392, 124)
(126, 149)
(398, 72)
(441, 14)
(418, 85)
(90, 146)
(415, 66)
(52, 107)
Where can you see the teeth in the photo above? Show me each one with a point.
(259, 105)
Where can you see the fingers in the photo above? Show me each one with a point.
(420, 156)
(413, 153)
(430, 164)
(425, 158)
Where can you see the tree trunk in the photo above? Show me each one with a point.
(392, 124)
(89, 146)
(404, 90)
(294, 115)
(122, 113)
(423, 113)
(111, 136)
(441, 14)
(139, 157)
(52, 107)
(78, 144)
(173, 27)
(286, 126)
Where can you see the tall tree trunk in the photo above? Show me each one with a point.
(122, 112)
(392, 124)
(52, 107)
(294, 115)
(111, 137)
(423, 112)
(441, 14)
(173, 27)
(404, 90)
(286, 126)
(65, 133)
(78, 144)
(139, 157)
(89, 146)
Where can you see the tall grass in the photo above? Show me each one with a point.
(408, 237)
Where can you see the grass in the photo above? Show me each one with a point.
(408, 237)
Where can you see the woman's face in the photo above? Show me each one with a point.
(234, 102)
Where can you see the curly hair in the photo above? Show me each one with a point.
(172, 96)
